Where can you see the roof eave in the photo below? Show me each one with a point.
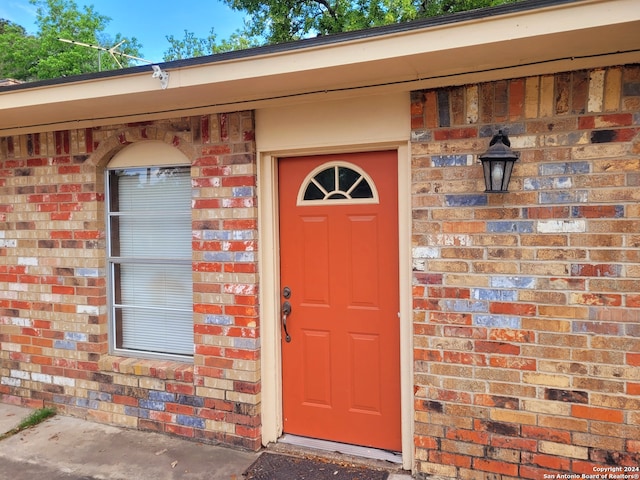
(554, 36)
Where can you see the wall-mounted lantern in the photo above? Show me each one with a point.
(497, 163)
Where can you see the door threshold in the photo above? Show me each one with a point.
(341, 448)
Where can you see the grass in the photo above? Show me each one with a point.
(36, 417)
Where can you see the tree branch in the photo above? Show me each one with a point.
(326, 5)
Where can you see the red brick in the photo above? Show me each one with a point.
(425, 442)
(206, 204)
(464, 358)
(584, 270)
(248, 432)
(556, 463)
(62, 290)
(509, 335)
(179, 430)
(181, 388)
(480, 438)
(41, 360)
(125, 400)
(424, 304)
(450, 459)
(212, 309)
(429, 355)
(597, 413)
(455, 133)
(240, 267)
(242, 354)
(597, 211)
(633, 301)
(151, 425)
(548, 434)
(525, 309)
(633, 359)
(497, 347)
(90, 197)
(430, 109)
(179, 409)
(240, 310)
(581, 466)
(239, 181)
(424, 329)
(494, 466)
(535, 473)
(497, 401)
(633, 388)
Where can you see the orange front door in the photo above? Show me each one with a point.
(339, 277)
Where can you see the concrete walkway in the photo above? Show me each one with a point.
(69, 448)
(66, 448)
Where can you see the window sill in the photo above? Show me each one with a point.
(160, 369)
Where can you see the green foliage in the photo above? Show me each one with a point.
(43, 55)
(16, 51)
(278, 21)
(191, 46)
(36, 417)
(33, 419)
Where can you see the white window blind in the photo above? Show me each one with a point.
(150, 258)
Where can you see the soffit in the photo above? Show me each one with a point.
(583, 34)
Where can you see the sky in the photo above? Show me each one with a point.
(150, 21)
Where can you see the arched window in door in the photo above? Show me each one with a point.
(339, 183)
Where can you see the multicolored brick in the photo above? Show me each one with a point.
(54, 284)
(537, 306)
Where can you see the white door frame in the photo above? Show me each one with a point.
(269, 260)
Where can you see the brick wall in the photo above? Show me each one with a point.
(53, 293)
(527, 304)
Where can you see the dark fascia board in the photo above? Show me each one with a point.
(470, 15)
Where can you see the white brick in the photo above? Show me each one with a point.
(29, 261)
(450, 240)
(426, 252)
(91, 310)
(596, 91)
(12, 382)
(20, 374)
(561, 226)
(64, 381)
(41, 377)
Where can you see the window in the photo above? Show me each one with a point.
(337, 182)
(149, 257)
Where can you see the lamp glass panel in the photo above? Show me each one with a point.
(497, 174)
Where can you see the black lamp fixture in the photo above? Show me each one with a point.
(497, 163)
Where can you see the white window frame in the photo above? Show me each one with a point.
(131, 161)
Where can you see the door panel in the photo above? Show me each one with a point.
(363, 283)
(339, 258)
(317, 367)
(365, 382)
(315, 245)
